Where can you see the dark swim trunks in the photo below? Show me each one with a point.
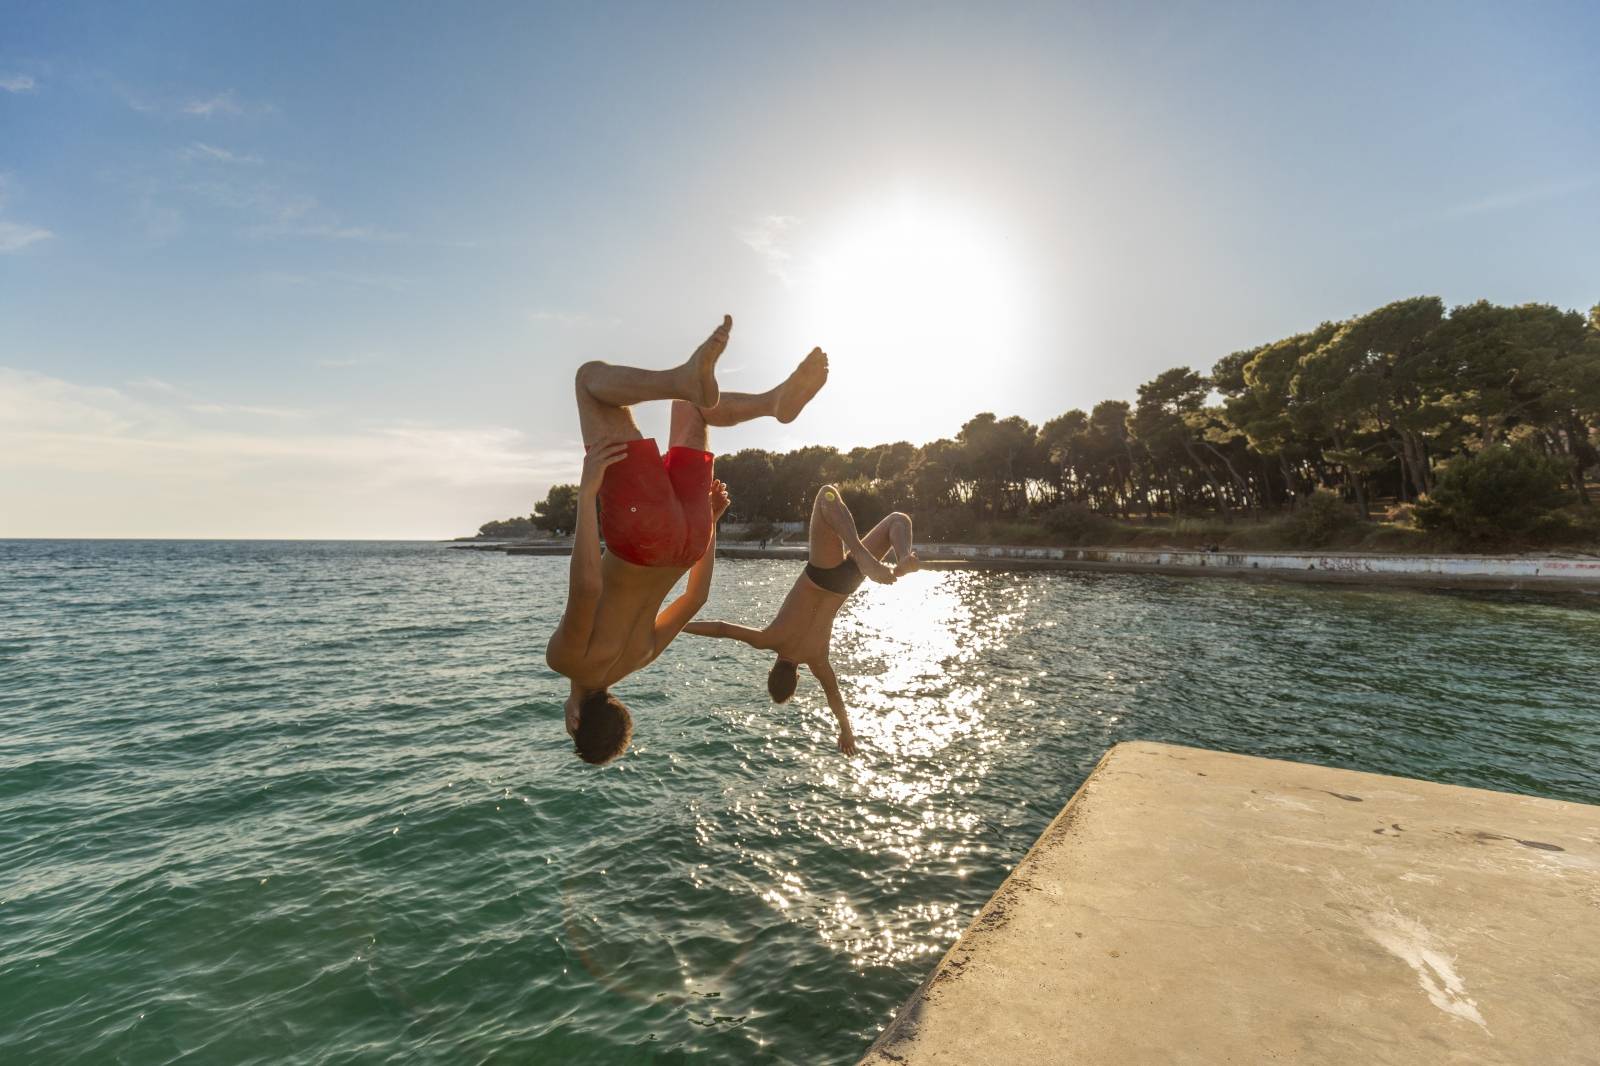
(842, 579)
(655, 511)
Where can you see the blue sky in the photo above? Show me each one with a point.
(325, 270)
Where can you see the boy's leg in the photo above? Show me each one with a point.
(784, 402)
(893, 532)
(831, 509)
(826, 549)
(688, 427)
(605, 392)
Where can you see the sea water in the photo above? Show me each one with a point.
(312, 802)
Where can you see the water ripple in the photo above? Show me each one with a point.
(297, 803)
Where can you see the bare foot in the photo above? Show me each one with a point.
(801, 385)
(874, 569)
(910, 564)
(702, 366)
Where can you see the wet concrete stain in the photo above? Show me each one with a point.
(903, 1029)
(1336, 795)
(1483, 837)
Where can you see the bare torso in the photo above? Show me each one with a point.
(622, 639)
(802, 630)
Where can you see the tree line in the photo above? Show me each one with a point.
(1377, 407)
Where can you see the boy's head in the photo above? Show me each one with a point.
(603, 726)
(781, 680)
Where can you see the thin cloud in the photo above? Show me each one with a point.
(1530, 194)
(142, 461)
(766, 237)
(18, 83)
(281, 213)
(566, 318)
(569, 318)
(15, 236)
(340, 364)
(224, 104)
(155, 383)
(248, 409)
(217, 104)
(1505, 200)
(200, 405)
(325, 231)
(340, 277)
(210, 153)
(374, 281)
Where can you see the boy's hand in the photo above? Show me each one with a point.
(600, 455)
(719, 500)
(847, 742)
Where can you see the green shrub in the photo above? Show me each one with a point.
(867, 500)
(1319, 520)
(1018, 532)
(1585, 525)
(1502, 493)
(1402, 514)
(950, 524)
(507, 529)
(1073, 523)
(558, 511)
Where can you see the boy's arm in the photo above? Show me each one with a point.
(824, 674)
(670, 622)
(756, 638)
(571, 638)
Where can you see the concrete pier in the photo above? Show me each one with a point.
(1196, 907)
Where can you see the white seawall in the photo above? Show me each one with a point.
(1503, 571)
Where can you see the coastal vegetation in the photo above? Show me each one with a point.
(1409, 427)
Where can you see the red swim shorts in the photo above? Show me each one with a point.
(655, 511)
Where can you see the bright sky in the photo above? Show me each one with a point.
(274, 270)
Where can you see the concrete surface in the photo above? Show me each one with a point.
(1195, 907)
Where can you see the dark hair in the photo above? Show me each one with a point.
(781, 680)
(604, 728)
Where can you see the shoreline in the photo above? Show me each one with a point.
(1546, 572)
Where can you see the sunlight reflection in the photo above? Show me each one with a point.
(919, 697)
(911, 655)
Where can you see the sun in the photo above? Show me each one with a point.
(917, 282)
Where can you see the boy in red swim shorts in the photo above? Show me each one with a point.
(659, 519)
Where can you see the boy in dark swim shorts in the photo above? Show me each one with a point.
(659, 519)
(802, 632)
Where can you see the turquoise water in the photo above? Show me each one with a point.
(312, 802)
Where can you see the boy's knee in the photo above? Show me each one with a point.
(586, 374)
(901, 517)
